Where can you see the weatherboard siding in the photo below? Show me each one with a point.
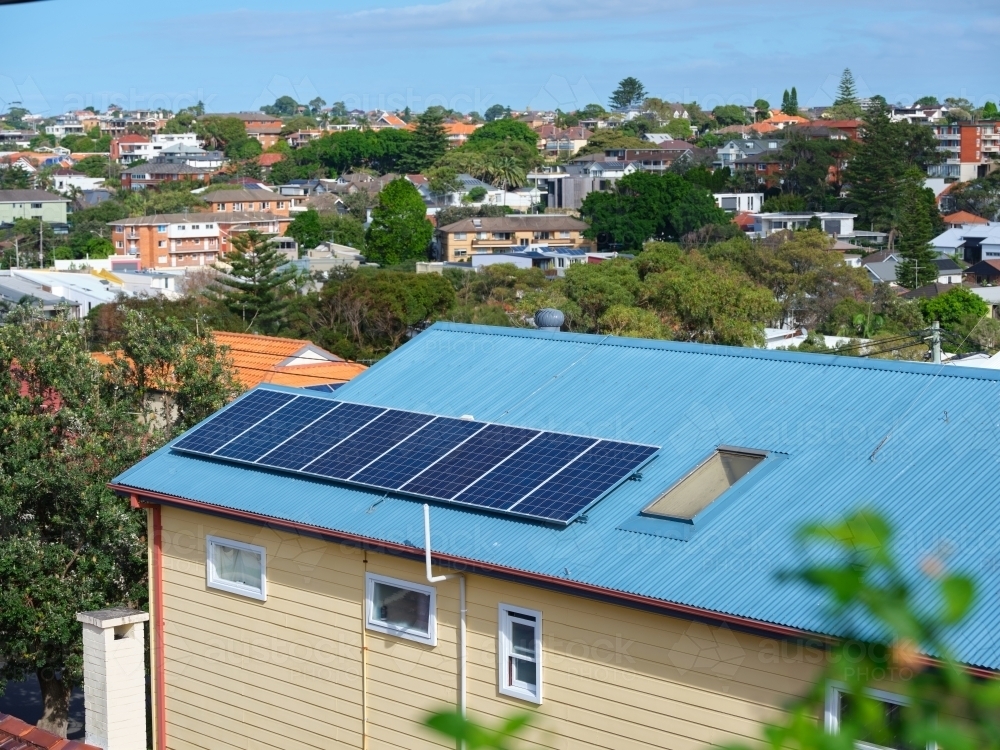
(241, 673)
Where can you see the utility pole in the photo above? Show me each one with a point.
(41, 258)
(935, 339)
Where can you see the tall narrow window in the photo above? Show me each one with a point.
(520, 653)
(841, 708)
(236, 567)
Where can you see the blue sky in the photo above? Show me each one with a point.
(469, 54)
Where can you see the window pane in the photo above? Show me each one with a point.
(702, 486)
(401, 608)
(522, 639)
(523, 671)
(893, 724)
(237, 565)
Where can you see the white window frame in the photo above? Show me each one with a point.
(379, 626)
(505, 684)
(213, 581)
(831, 710)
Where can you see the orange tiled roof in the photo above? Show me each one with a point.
(964, 217)
(460, 128)
(779, 117)
(269, 160)
(266, 359)
(764, 127)
(19, 735)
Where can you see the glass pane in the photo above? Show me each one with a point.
(706, 483)
(893, 724)
(522, 639)
(401, 608)
(523, 671)
(237, 565)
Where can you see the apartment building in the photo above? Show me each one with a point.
(187, 240)
(457, 242)
(131, 148)
(223, 201)
(971, 150)
(32, 204)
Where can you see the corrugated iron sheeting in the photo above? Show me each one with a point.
(935, 478)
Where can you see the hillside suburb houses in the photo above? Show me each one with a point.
(584, 526)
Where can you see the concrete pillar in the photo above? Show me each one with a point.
(114, 678)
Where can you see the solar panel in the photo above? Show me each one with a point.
(583, 481)
(471, 460)
(241, 416)
(537, 474)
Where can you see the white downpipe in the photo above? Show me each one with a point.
(431, 578)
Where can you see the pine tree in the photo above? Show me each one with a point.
(630, 91)
(790, 102)
(916, 230)
(256, 286)
(847, 91)
(784, 101)
(429, 142)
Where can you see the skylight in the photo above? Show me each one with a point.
(706, 483)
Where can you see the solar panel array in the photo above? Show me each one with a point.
(538, 474)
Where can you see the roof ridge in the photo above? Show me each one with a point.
(722, 350)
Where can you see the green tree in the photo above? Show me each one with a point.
(953, 308)
(258, 285)
(502, 130)
(284, 106)
(790, 102)
(67, 426)
(399, 230)
(505, 171)
(990, 111)
(763, 107)
(429, 143)
(316, 104)
(847, 91)
(808, 163)
(611, 138)
(927, 101)
(633, 322)
(441, 181)
(98, 166)
(14, 178)
(916, 230)
(297, 123)
(597, 288)
(730, 114)
(630, 91)
(494, 112)
(220, 132)
(306, 229)
(344, 230)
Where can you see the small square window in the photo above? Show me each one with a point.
(236, 567)
(161, 228)
(519, 649)
(706, 483)
(401, 608)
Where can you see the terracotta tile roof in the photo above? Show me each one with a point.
(268, 359)
(964, 217)
(459, 128)
(19, 735)
(744, 220)
(269, 160)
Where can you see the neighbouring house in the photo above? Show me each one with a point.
(131, 148)
(15, 290)
(458, 133)
(326, 569)
(492, 234)
(766, 168)
(959, 219)
(280, 361)
(82, 290)
(779, 121)
(189, 239)
(33, 204)
(737, 203)
(267, 133)
(554, 261)
(302, 137)
(382, 119)
(566, 186)
(833, 223)
(152, 174)
(971, 242)
(984, 273)
(65, 180)
(744, 148)
(223, 201)
(970, 150)
(567, 142)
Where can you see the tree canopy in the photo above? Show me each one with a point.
(399, 230)
(630, 91)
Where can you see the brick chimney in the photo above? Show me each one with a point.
(114, 678)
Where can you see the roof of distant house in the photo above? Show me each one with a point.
(30, 196)
(292, 362)
(247, 116)
(269, 160)
(880, 257)
(166, 168)
(220, 217)
(964, 217)
(945, 265)
(930, 290)
(19, 735)
(990, 267)
(237, 196)
(515, 223)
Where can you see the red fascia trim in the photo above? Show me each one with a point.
(461, 563)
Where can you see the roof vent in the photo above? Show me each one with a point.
(549, 319)
(468, 418)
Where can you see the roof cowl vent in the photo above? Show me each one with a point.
(549, 319)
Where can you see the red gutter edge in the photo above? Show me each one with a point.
(461, 563)
(159, 668)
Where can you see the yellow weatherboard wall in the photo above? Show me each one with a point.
(286, 673)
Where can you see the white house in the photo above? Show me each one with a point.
(65, 180)
(833, 223)
(739, 202)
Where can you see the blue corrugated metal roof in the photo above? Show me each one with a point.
(935, 478)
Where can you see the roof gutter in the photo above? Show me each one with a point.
(684, 611)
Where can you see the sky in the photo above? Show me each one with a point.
(236, 55)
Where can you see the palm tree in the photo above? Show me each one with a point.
(504, 172)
